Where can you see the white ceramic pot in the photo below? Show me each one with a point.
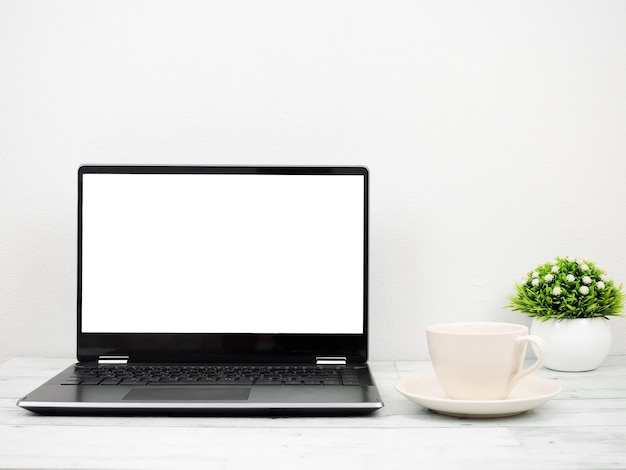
(574, 345)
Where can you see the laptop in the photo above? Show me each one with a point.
(219, 290)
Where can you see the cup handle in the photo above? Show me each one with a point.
(520, 347)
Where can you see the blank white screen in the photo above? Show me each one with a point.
(214, 253)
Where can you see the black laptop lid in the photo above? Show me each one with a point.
(222, 264)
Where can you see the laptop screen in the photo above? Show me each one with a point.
(217, 250)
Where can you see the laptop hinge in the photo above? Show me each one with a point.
(330, 361)
(113, 360)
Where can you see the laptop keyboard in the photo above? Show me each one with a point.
(212, 375)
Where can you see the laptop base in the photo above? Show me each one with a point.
(52, 398)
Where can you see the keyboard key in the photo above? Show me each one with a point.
(268, 381)
(110, 382)
(90, 381)
(133, 382)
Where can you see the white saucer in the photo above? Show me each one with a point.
(528, 394)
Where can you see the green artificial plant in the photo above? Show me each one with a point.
(567, 288)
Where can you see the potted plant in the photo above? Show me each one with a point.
(570, 300)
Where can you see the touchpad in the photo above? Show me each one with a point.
(188, 393)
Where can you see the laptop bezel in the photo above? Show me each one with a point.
(221, 348)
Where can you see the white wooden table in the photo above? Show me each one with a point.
(583, 427)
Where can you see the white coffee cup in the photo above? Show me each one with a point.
(481, 360)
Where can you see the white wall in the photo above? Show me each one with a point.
(494, 132)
